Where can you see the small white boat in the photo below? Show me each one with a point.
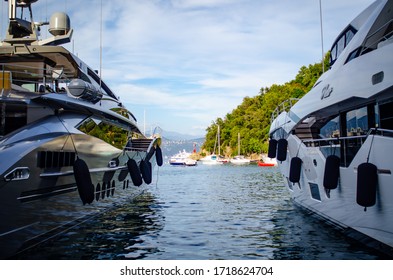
(211, 160)
(239, 160)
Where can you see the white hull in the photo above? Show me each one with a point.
(240, 160)
(339, 206)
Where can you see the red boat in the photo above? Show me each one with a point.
(261, 163)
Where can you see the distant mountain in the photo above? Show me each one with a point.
(178, 136)
(172, 147)
(174, 142)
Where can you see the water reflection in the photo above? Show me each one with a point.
(215, 212)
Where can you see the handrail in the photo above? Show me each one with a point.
(370, 131)
(283, 106)
(348, 148)
(23, 73)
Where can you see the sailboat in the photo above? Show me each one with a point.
(239, 159)
(214, 159)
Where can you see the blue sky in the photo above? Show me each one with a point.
(184, 63)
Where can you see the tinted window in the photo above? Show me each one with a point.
(357, 122)
(386, 115)
(341, 43)
(331, 129)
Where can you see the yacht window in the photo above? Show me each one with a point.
(109, 133)
(386, 115)
(377, 119)
(333, 54)
(340, 44)
(12, 117)
(331, 129)
(357, 122)
(349, 36)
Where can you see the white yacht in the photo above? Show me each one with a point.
(182, 158)
(67, 144)
(334, 146)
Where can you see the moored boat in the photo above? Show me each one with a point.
(333, 145)
(67, 144)
(211, 160)
(266, 161)
(239, 160)
(262, 163)
(182, 158)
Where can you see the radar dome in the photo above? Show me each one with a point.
(59, 24)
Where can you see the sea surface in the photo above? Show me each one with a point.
(206, 213)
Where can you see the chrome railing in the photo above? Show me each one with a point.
(31, 78)
(283, 106)
(348, 146)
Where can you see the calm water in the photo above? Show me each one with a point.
(206, 212)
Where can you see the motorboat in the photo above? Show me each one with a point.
(68, 146)
(182, 159)
(266, 161)
(332, 146)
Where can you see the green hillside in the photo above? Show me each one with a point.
(252, 117)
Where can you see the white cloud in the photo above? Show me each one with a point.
(195, 60)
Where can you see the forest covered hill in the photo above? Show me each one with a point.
(252, 117)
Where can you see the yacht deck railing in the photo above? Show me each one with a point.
(283, 106)
(31, 78)
(348, 145)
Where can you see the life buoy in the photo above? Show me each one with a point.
(282, 145)
(332, 172)
(295, 170)
(134, 172)
(159, 158)
(146, 171)
(272, 150)
(367, 180)
(83, 181)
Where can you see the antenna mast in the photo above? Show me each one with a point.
(323, 54)
(101, 47)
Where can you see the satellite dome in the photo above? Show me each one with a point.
(59, 24)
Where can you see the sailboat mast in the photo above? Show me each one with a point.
(218, 137)
(238, 144)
